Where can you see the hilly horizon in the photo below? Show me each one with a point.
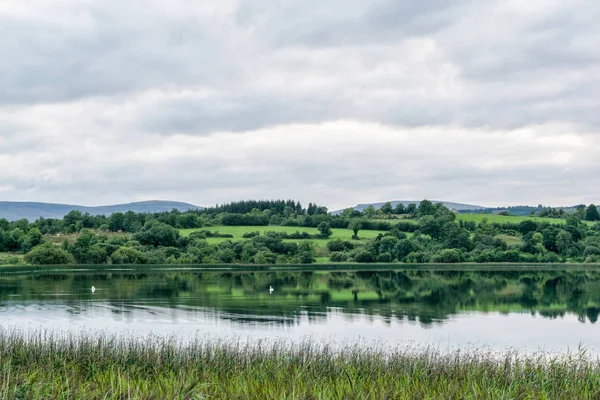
(15, 210)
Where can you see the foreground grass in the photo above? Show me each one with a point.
(106, 367)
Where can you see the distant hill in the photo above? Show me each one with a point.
(456, 206)
(13, 211)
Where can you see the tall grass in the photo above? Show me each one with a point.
(43, 365)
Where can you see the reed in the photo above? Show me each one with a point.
(91, 366)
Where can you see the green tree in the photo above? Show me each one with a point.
(33, 238)
(325, 230)
(80, 248)
(426, 207)
(405, 247)
(355, 225)
(48, 254)
(399, 209)
(564, 240)
(431, 226)
(116, 222)
(448, 256)
(580, 211)
(157, 234)
(387, 244)
(226, 256)
(370, 211)
(265, 257)
(591, 214)
(15, 239)
(306, 257)
(387, 208)
(527, 226)
(128, 255)
(364, 256)
(97, 254)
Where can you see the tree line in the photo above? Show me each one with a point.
(430, 233)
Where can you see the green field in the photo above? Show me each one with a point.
(490, 218)
(510, 240)
(504, 219)
(238, 232)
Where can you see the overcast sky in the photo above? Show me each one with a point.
(492, 102)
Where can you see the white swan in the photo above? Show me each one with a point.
(93, 289)
(271, 289)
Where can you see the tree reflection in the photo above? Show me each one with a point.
(414, 295)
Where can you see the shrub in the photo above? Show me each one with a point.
(384, 258)
(306, 257)
(417, 257)
(448, 256)
(48, 254)
(364, 256)
(128, 255)
(250, 235)
(339, 245)
(338, 256)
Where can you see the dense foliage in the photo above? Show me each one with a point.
(424, 233)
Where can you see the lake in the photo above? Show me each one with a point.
(529, 310)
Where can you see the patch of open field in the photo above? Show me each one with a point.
(511, 241)
(7, 258)
(238, 232)
(59, 238)
(491, 218)
(504, 219)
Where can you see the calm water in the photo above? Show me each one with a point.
(533, 310)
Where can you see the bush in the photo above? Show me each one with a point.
(448, 256)
(306, 257)
(338, 256)
(48, 254)
(128, 255)
(244, 219)
(364, 256)
(550, 257)
(324, 230)
(339, 245)
(203, 234)
(417, 257)
(384, 258)
(250, 235)
(10, 260)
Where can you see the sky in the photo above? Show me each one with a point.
(340, 102)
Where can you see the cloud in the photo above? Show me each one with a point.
(338, 102)
(85, 155)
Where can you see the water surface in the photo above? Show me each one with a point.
(528, 310)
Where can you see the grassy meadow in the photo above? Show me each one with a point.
(40, 365)
(238, 232)
(501, 219)
(491, 218)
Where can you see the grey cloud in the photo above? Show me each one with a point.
(338, 22)
(509, 69)
(88, 88)
(206, 115)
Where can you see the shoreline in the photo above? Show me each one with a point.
(74, 268)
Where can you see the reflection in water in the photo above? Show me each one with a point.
(391, 303)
